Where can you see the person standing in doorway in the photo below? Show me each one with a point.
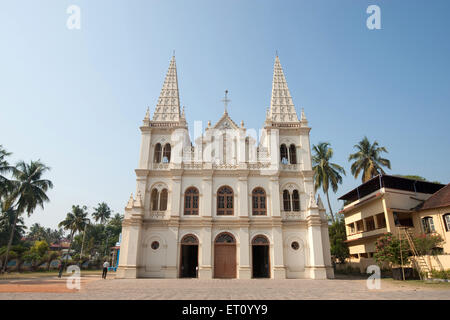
(105, 269)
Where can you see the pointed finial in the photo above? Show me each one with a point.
(183, 115)
(147, 114)
(312, 201)
(276, 53)
(138, 200)
(173, 54)
(242, 123)
(130, 202)
(209, 123)
(303, 117)
(226, 101)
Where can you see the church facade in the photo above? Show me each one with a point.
(233, 204)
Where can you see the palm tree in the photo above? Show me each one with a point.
(367, 159)
(75, 221)
(101, 213)
(28, 192)
(6, 221)
(37, 232)
(325, 172)
(4, 168)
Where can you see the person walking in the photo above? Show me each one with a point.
(105, 269)
(61, 269)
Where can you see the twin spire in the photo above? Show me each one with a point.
(282, 108)
(281, 105)
(168, 106)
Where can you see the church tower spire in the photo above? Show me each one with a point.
(168, 106)
(281, 105)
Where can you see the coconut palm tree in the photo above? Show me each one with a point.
(4, 168)
(368, 160)
(75, 221)
(101, 213)
(6, 221)
(326, 173)
(27, 193)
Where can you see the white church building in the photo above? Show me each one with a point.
(233, 204)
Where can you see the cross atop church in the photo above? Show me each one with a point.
(226, 101)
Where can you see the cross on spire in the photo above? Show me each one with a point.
(226, 101)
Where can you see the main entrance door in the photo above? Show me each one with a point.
(260, 257)
(189, 257)
(225, 256)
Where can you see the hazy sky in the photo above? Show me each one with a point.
(75, 98)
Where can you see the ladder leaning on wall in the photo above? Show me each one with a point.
(419, 260)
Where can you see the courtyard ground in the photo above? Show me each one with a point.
(343, 287)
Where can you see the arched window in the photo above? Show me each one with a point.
(295, 201)
(286, 201)
(158, 153)
(447, 221)
(189, 239)
(225, 201)
(260, 240)
(428, 225)
(284, 154)
(154, 200)
(191, 201)
(166, 153)
(225, 238)
(163, 200)
(259, 202)
(293, 153)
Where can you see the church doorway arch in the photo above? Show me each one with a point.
(225, 256)
(260, 257)
(189, 256)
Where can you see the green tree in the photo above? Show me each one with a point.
(37, 254)
(101, 213)
(4, 169)
(415, 177)
(367, 160)
(37, 232)
(6, 221)
(29, 191)
(75, 221)
(338, 246)
(16, 252)
(326, 173)
(425, 243)
(389, 248)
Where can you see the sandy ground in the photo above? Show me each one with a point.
(93, 287)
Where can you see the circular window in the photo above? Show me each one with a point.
(295, 245)
(154, 245)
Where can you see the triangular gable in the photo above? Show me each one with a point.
(225, 122)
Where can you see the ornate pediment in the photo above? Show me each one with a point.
(225, 123)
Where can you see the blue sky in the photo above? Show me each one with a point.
(75, 98)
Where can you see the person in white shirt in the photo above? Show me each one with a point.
(105, 269)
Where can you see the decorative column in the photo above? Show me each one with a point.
(316, 266)
(205, 264)
(175, 196)
(274, 187)
(146, 139)
(131, 231)
(242, 196)
(279, 270)
(245, 251)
